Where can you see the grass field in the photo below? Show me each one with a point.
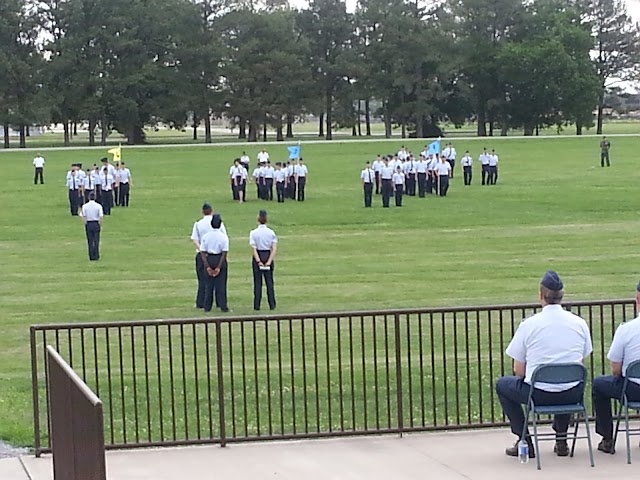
(554, 207)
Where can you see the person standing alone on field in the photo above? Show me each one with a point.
(92, 215)
(38, 163)
(264, 243)
(467, 163)
(605, 145)
(550, 337)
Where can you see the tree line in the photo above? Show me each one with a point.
(123, 65)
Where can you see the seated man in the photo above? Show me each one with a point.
(552, 336)
(624, 350)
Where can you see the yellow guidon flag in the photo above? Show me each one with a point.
(117, 153)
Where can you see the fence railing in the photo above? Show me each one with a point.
(233, 379)
(76, 428)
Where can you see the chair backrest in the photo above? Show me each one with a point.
(559, 373)
(633, 370)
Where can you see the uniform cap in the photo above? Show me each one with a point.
(216, 221)
(206, 206)
(262, 213)
(552, 281)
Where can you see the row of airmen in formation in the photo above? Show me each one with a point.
(400, 174)
(110, 185)
(289, 178)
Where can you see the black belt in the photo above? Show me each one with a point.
(93, 221)
(263, 251)
(214, 254)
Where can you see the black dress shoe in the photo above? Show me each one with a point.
(606, 446)
(561, 448)
(513, 451)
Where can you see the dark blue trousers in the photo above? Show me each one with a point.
(513, 393)
(603, 390)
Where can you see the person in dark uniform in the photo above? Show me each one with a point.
(213, 252)
(264, 243)
(386, 178)
(73, 184)
(92, 215)
(368, 178)
(107, 190)
(398, 185)
(605, 145)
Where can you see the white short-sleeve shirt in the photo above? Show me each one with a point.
(215, 242)
(92, 211)
(202, 227)
(38, 162)
(443, 168)
(625, 347)
(262, 238)
(553, 335)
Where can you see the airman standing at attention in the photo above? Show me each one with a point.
(368, 177)
(264, 243)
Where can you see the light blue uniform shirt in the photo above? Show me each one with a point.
(625, 347)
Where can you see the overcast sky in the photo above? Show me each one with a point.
(633, 6)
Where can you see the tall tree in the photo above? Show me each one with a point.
(329, 29)
(617, 46)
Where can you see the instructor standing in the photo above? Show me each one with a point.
(264, 243)
(38, 163)
(92, 216)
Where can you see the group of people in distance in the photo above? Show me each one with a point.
(210, 238)
(110, 185)
(289, 178)
(396, 175)
(557, 336)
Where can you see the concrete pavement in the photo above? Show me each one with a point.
(469, 455)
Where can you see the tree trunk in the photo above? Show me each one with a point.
(5, 128)
(491, 128)
(359, 124)
(23, 136)
(329, 111)
(354, 131)
(537, 130)
(253, 132)
(404, 130)
(367, 117)
(578, 129)
(600, 108)
(92, 132)
(528, 130)
(387, 121)
(135, 135)
(482, 127)
(207, 127)
(419, 125)
(195, 127)
(321, 126)
(66, 133)
(28, 131)
(289, 126)
(104, 130)
(264, 132)
(279, 134)
(75, 129)
(504, 129)
(242, 129)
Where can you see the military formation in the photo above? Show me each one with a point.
(402, 174)
(288, 179)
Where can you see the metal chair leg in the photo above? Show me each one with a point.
(586, 424)
(535, 439)
(615, 431)
(575, 437)
(626, 432)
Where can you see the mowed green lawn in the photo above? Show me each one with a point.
(553, 207)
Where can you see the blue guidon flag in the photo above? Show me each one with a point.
(294, 152)
(433, 148)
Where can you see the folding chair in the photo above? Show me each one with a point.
(633, 371)
(554, 374)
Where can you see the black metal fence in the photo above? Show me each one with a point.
(234, 379)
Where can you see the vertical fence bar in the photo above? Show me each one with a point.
(397, 341)
(35, 390)
(220, 368)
